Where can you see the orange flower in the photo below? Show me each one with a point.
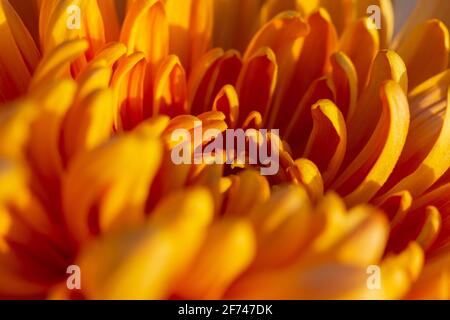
(92, 91)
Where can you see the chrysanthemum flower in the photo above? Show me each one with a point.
(86, 176)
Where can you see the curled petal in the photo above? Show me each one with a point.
(361, 180)
(108, 186)
(387, 66)
(144, 262)
(259, 74)
(345, 80)
(242, 197)
(19, 56)
(328, 141)
(306, 173)
(360, 43)
(146, 17)
(312, 63)
(191, 27)
(56, 64)
(433, 166)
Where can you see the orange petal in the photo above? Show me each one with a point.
(146, 261)
(369, 170)
(191, 27)
(147, 17)
(328, 141)
(360, 43)
(425, 51)
(170, 92)
(259, 74)
(19, 56)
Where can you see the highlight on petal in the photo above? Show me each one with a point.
(228, 249)
(147, 17)
(433, 166)
(360, 43)
(19, 56)
(387, 66)
(170, 92)
(306, 173)
(259, 74)
(57, 63)
(367, 173)
(191, 27)
(108, 186)
(144, 262)
(313, 63)
(54, 19)
(345, 80)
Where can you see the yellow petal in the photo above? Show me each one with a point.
(170, 92)
(328, 141)
(146, 261)
(56, 64)
(227, 251)
(248, 190)
(191, 27)
(387, 66)
(306, 173)
(312, 63)
(433, 166)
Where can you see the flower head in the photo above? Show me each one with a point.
(92, 92)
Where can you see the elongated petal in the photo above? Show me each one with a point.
(227, 251)
(108, 186)
(420, 61)
(360, 43)
(387, 66)
(259, 74)
(19, 56)
(328, 141)
(433, 166)
(312, 63)
(306, 173)
(191, 27)
(144, 262)
(147, 17)
(170, 93)
(369, 171)
(345, 80)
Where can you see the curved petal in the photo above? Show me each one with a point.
(425, 51)
(144, 262)
(328, 141)
(371, 168)
(227, 251)
(108, 186)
